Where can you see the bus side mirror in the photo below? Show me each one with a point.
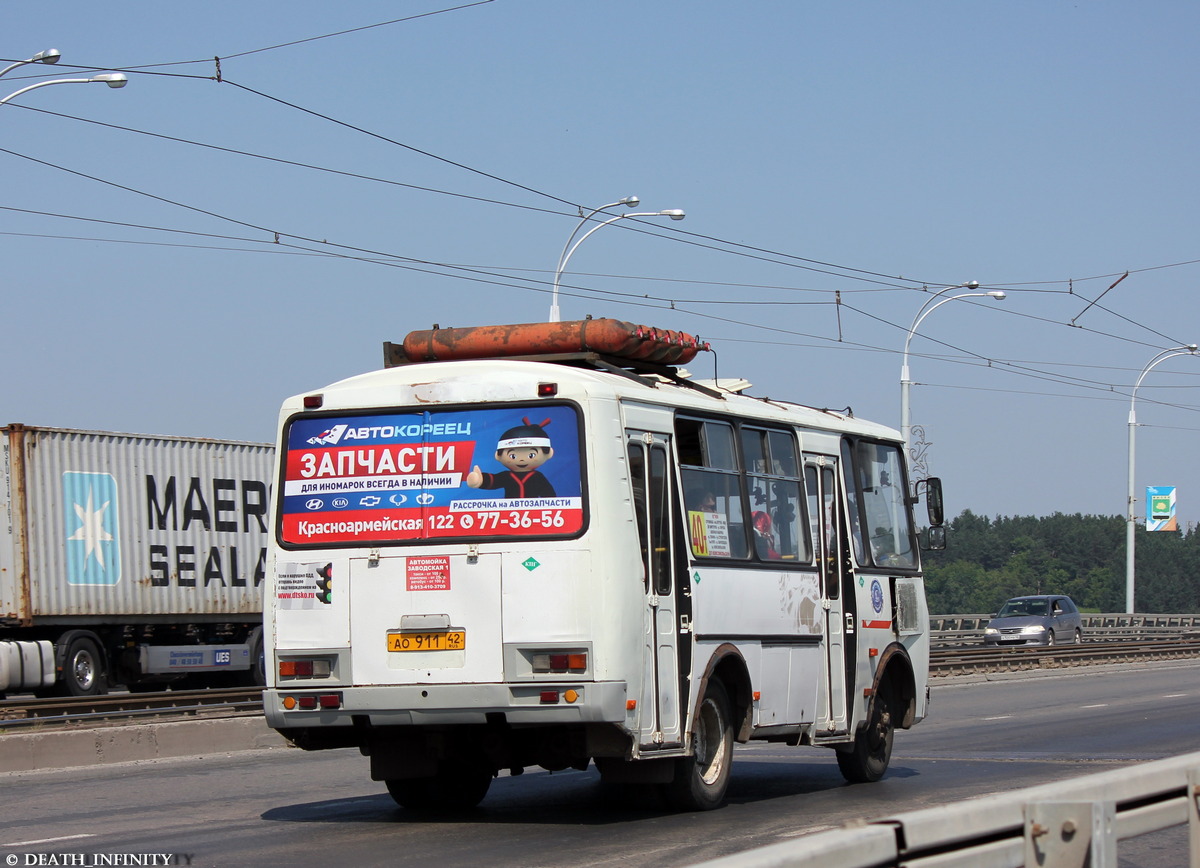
(935, 539)
(933, 501)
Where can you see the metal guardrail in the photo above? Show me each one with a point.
(1075, 823)
(950, 630)
(1090, 620)
(960, 660)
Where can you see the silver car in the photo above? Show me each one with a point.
(1042, 620)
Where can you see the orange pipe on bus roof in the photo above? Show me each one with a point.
(606, 336)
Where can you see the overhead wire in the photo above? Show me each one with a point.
(884, 281)
(756, 252)
(673, 303)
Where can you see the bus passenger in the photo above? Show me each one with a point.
(764, 536)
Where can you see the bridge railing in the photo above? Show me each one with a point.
(1078, 822)
(1110, 627)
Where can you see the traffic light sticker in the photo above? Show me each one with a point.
(428, 573)
(304, 586)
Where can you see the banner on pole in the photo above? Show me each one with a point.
(1160, 508)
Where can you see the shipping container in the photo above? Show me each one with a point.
(129, 558)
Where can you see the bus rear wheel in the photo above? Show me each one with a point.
(701, 780)
(868, 759)
(457, 786)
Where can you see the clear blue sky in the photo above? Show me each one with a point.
(430, 171)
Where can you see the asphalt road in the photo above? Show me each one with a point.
(288, 807)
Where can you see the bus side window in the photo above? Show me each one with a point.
(711, 488)
(776, 502)
(637, 480)
(660, 520)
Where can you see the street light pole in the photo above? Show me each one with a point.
(1130, 519)
(926, 309)
(628, 201)
(112, 79)
(673, 213)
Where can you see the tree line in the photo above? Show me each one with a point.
(987, 561)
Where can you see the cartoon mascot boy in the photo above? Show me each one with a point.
(522, 450)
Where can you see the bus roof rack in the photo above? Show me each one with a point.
(647, 373)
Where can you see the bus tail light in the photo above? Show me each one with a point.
(559, 661)
(312, 701)
(304, 668)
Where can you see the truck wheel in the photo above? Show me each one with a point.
(457, 786)
(701, 779)
(868, 759)
(83, 668)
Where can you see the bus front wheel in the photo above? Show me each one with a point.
(867, 760)
(701, 779)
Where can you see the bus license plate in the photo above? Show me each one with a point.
(441, 640)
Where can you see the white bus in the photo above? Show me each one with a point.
(576, 556)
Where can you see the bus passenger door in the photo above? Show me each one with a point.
(820, 475)
(654, 500)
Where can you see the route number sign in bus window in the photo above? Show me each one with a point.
(510, 471)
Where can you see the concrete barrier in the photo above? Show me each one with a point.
(55, 749)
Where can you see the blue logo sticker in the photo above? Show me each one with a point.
(90, 523)
(877, 596)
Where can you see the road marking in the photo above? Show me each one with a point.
(1001, 717)
(1174, 695)
(47, 841)
(1098, 705)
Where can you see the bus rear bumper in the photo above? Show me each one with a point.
(446, 704)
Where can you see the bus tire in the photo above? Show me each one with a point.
(701, 780)
(457, 786)
(867, 760)
(83, 668)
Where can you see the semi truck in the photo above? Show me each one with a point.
(130, 559)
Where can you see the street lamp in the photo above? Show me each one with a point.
(926, 309)
(628, 201)
(673, 213)
(49, 56)
(112, 79)
(1130, 526)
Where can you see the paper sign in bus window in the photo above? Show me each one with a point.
(710, 535)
